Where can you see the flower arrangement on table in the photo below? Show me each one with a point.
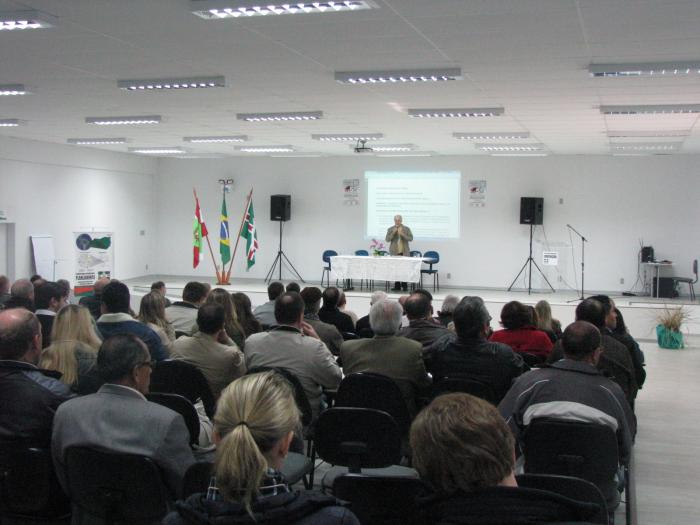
(376, 247)
(668, 329)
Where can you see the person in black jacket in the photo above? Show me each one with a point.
(331, 314)
(49, 298)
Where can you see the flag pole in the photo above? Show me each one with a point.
(240, 229)
(211, 252)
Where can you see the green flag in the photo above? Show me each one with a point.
(248, 232)
(224, 237)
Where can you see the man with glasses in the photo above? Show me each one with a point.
(118, 417)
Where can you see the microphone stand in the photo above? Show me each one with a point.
(583, 245)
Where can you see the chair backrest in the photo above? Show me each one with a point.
(115, 487)
(433, 256)
(183, 407)
(197, 478)
(575, 488)
(367, 390)
(570, 448)
(448, 385)
(327, 256)
(357, 438)
(379, 500)
(174, 376)
(532, 359)
(349, 336)
(362, 253)
(300, 397)
(695, 267)
(28, 484)
(416, 253)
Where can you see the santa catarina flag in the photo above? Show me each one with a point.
(199, 231)
(224, 238)
(250, 235)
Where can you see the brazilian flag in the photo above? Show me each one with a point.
(224, 237)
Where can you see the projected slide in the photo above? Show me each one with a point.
(428, 202)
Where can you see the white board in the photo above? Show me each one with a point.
(44, 256)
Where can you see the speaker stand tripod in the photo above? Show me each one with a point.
(278, 261)
(529, 262)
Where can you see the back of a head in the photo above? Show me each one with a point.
(580, 340)
(515, 315)
(242, 303)
(470, 318)
(194, 292)
(274, 290)
(65, 287)
(376, 297)
(449, 304)
(620, 326)
(312, 299)
(45, 292)
(424, 292)
(331, 296)
(4, 284)
(461, 443)
(211, 318)
(99, 286)
(544, 314)
(158, 286)
(385, 317)
(417, 306)
(293, 287)
(342, 301)
(22, 288)
(116, 298)
(74, 323)
(18, 328)
(118, 356)
(289, 308)
(152, 308)
(592, 311)
(252, 415)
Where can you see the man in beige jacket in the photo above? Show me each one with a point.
(399, 236)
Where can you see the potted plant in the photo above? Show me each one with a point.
(668, 329)
(377, 247)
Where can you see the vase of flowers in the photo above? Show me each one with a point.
(377, 247)
(668, 331)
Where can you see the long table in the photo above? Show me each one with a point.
(385, 268)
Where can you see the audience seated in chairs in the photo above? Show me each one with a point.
(362, 327)
(254, 426)
(233, 328)
(159, 286)
(183, 314)
(330, 313)
(343, 307)
(468, 354)
(265, 313)
(211, 350)
(21, 295)
(387, 354)
(463, 450)
(422, 327)
(295, 346)
(328, 333)
(152, 314)
(545, 322)
(119, 419)
(49, 298)
(93, 302)
(519, 331)
(292, 287)
(250, 324)
(449, 303)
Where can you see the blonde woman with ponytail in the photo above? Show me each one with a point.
(254, 424)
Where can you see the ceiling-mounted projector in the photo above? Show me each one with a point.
(362, 147)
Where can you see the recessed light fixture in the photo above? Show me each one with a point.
(9, 122)
(649, 133)
(518, 155)
(280, 117)
(650, 109)
(646, 146)
(96, 141)
(221, 9)
(159, 150)
(509, 147)
(398, 76)
(160, 84)
(347, 137)
(493, 135)
(389, 148)
(19, 20)
(644, 69)
(455, 112)
(416, 154)
(298, 156)
(116, 121)
(8, 90)
(216, 139)
(265, 149)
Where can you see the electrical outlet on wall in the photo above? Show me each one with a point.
(449, 276)
(561, 200)
(622, 280)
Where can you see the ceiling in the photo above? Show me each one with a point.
(528, 56)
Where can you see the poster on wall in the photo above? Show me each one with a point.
(94, 259)
(477, 193)
(351, 192)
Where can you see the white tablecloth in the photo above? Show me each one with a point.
(387, 268)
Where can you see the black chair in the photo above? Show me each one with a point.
(449, 385)
(354, 439)
(431, 257)
(327, 266)
(532, 360)
(183, 407)
(689, 280)
(29, 489)
(115, 487)
(573, 488)
(381, 500)
(581, 450)
(174, 376)
(349, 336)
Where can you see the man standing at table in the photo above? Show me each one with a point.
(399, 235)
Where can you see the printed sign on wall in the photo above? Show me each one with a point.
(94, 259)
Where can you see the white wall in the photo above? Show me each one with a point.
(55, 189)
(614, 201)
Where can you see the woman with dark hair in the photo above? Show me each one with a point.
(231, 324)
(520, 333)
(244, 312)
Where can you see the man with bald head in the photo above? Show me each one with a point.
(92, 302)
(398, 237)
(21, 295)
(30, 396)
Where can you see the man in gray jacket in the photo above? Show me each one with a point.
(399, 235)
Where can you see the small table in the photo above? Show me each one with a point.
(383, 268)
(656, 267)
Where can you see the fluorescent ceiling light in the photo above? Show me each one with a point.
(493, 135)
(398, 75)
(455, 112)
(280, 117)
(509, 147)
(650, 133)
(518, 155)
(388, 148)
(115, 121)
(216, 139)
(298, 156)
(160, 150)
(9, 122)
(220, 9)
(18, 20)
(646, 146)
(424, 154)
(12, 89)
(644, 69)
(347, 137)
(650, 109)
(171, 83)
(265, 149)
(96, 141)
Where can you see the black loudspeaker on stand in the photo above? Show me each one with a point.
(531, 212)
(281, 210)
